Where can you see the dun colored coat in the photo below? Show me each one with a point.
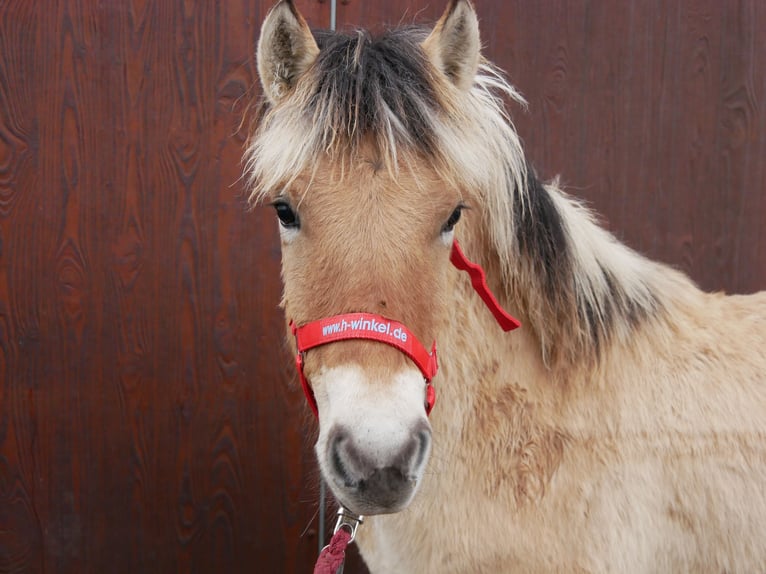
(622, 429)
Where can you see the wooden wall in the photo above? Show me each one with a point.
(146, 421)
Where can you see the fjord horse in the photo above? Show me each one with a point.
(621, 429)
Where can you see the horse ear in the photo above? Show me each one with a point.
(454, 45)
(286, 49)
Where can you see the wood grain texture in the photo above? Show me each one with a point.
(149, 420)
(146, 423)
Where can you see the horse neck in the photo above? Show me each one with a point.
(577, 289)
(487, 380)
(476, 356)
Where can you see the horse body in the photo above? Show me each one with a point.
(621, 430)
(651, 461)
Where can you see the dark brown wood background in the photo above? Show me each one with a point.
(146, 418)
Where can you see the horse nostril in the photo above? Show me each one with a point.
(424, 441)
(414, 455)
(339, 443)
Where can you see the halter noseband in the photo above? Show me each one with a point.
(378, 328)
(364, 326)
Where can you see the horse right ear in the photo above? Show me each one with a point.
(454, 45)
(286, 49)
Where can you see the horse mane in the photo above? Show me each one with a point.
(579, 287)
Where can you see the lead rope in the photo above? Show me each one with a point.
(333, 555)
(322, 484)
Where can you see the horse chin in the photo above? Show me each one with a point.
(370, 501)
(373, 446)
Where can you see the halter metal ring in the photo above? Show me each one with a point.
(348, 519)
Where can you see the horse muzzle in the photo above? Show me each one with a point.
(369, 481)
(374, 438)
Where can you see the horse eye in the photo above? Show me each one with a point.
(453, 219)
(287, 217)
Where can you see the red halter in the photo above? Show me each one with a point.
(378, 328)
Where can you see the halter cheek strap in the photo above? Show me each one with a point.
(506, 321)
(364, 326)
(377, 328)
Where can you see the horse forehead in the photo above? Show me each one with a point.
(369, 193)
(370, 226)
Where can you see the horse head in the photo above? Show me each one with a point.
(345, 151)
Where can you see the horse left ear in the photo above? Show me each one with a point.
(454, 45)
(286, 49)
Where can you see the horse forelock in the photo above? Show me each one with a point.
(383, 90)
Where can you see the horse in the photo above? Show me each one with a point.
(621, 429)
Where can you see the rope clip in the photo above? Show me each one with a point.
(349, 520)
